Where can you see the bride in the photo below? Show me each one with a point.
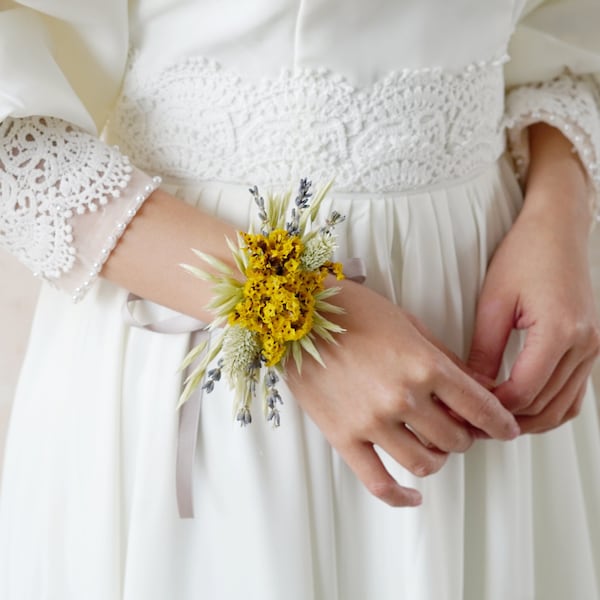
(450, 447)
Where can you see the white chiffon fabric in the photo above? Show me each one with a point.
(87, 505)
(89, 508)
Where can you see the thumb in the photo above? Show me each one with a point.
(493, 323)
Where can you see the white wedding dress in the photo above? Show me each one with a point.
(404, 103)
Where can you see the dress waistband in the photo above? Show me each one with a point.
(196, 120)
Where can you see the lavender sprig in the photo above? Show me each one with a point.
(213, 376)
(262, 212)
(273, 397)
(301, 202)
(243, 415)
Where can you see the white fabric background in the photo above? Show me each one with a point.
(18, 293)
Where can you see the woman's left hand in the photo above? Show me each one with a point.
(539, 281)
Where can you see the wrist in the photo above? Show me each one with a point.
(556, 180)
(557, 191)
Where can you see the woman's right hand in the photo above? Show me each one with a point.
(387, 384)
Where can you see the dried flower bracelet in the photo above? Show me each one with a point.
(276, 309)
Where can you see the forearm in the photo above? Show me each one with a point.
(146, 260)
(557, 186)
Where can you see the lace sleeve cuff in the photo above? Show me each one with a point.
(569, 103)
(65, 199)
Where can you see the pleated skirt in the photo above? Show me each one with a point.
(88, 507)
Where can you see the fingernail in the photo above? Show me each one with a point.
(514, 431)
(415, 498)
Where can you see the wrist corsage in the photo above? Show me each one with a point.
(277, 306)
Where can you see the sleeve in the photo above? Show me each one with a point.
(66, 197)
(553, 76)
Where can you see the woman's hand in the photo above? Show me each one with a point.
(539, 280)
(386, 384)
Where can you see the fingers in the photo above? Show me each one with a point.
(404, 447)
(563, 407)
(420, 437)
(577, 404)
(493, 323)
(563, 372)
(478, 406)
(532, 370)
(547, 362)
(430, 421)
(367, 466)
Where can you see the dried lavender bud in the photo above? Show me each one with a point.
(215, 374)
(274, 397)
(304, 193)
(243, 416)
(293, 226)
(271, 378)
(260, 202)
(274, 417)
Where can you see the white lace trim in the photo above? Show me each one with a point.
(49, 172)
(569, 103)
(198, 121)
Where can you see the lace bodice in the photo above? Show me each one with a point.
(197, 120)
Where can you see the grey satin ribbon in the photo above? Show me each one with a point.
(189, 413)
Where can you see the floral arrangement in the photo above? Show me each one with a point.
(276, 308)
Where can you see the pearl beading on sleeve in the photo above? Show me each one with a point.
(135, 202)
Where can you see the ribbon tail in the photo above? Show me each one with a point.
(187, 439)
